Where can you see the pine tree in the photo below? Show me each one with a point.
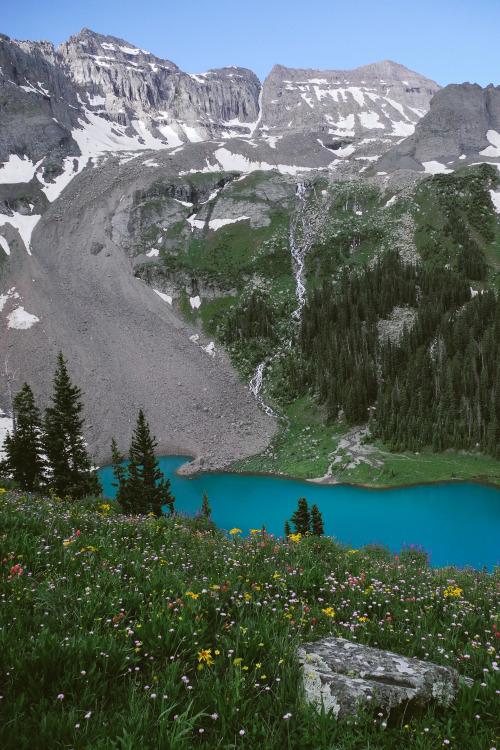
(205, 505)
(287, 529)
(70, 468)
(142, 487)
(301, 518)
(119, 474)
(23, 448)
(316, 521)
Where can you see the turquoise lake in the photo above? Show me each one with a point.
(458, 523)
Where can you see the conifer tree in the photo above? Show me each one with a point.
(205, 505)
(23, 448)
(70, 468)
(316, 521)
(119, 474)
(287, 529)
(301, 518)
(142, 487)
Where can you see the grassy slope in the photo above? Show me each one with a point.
(162, 633)
(307, 451)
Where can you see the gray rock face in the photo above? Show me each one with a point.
(126, 84)
(344, 674)
(38, 104)
(456, 125)
(383, 99)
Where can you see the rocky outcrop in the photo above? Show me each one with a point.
(125, 83)
(344, 676)
(463, 122)
(38, 104)
(379, 100)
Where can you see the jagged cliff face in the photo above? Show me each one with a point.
(38, 104)
(129, 84)
(383, 99)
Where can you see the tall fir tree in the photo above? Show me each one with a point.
(301, 518)
(70, 467)
(287, 529)
(119, 474)
(23, 448)
(317, 528)
(142, 487)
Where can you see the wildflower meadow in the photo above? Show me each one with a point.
(131, 633)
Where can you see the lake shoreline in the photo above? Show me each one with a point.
(333, 481)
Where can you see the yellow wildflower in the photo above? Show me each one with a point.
(235, 531)
(205, 655)
(452, 591)
(329, 611)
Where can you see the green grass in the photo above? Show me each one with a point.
(120, 632)
(409, 468)
(306, 452)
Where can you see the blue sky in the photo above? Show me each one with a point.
(449, 42)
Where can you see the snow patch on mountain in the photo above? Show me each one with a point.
(164, 297)
(216, 224)
(494, 149)
(24, 224)
(495, 199)
(6, 426)
(5, 245)
(435, 167)
(370, 120)
(17, 170)
(20, 319)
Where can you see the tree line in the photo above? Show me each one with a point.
(49, 452)
(437, 385)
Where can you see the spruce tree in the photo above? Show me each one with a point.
(119, 474)
(205, 505)
(300, 518)
(316, 521)
(23, 448)
(287, 529)
(142, 487)
(70, 468)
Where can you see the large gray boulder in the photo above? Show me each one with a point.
(344, 675)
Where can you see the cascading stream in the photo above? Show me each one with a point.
(255, 386)
(298, 250)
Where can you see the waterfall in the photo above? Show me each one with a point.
(255, 386)
(298, 249)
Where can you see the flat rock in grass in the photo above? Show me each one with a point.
(344, 674)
